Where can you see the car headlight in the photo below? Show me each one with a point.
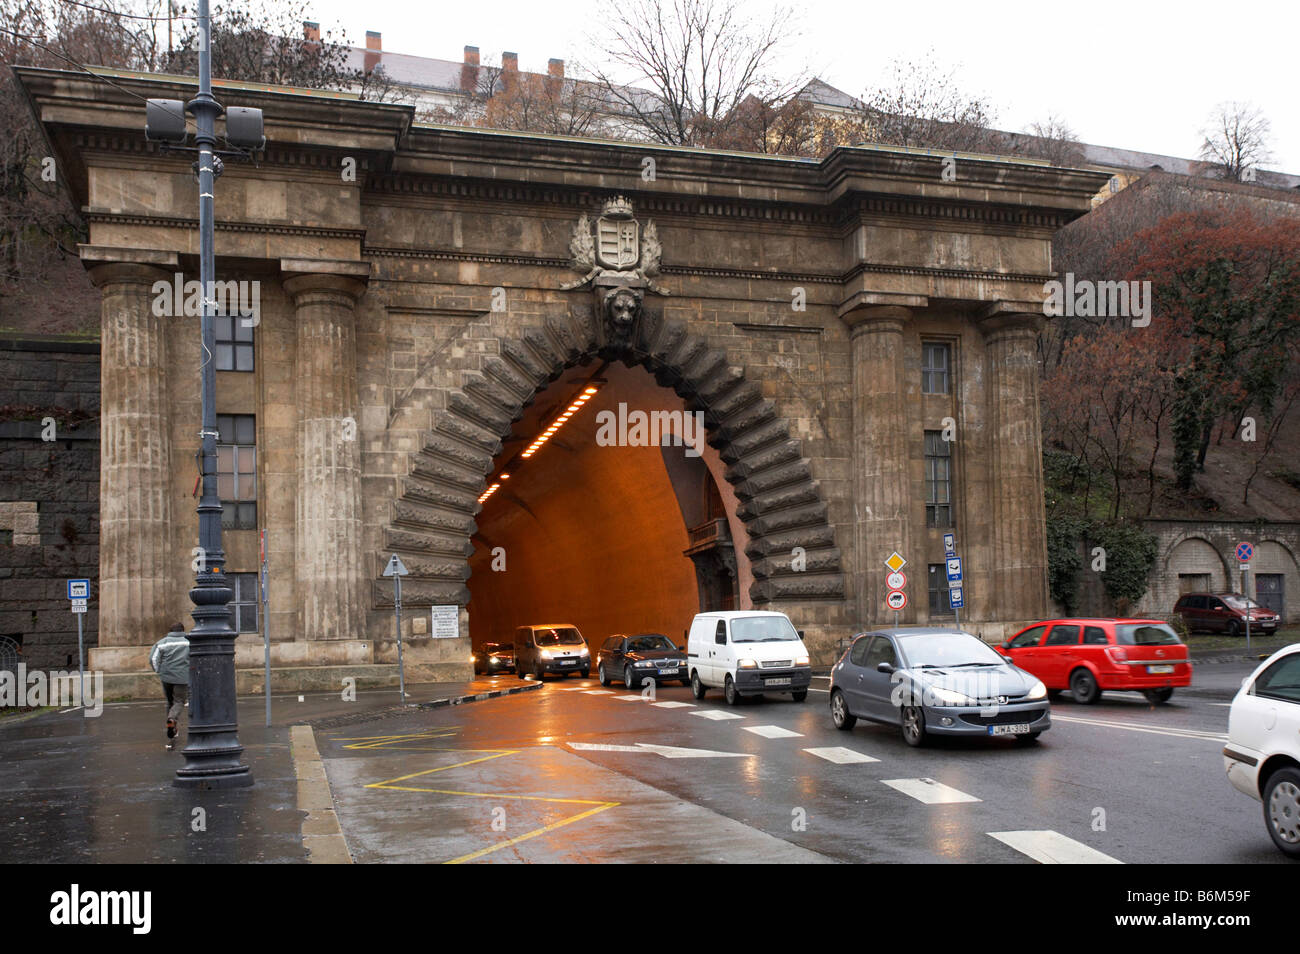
(1039, 691)
(802, 661)
(951, 697)
(584, 651)
(747, 664)
(643, 664)
(546, 654)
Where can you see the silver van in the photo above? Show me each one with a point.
(556, 648)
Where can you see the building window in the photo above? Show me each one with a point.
(243, 604)
(234, 344)
(936, 366)
(237, 471)
(938, 480)
(939, 590)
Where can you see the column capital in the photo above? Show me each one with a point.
(106, 264)
(1010, 316)
(304, 276)
(865, 307)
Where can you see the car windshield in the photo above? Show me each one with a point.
(1241, 602)
(558, 637)
(762, 629)
(642, 644)
(947, 651)
(1145, 634)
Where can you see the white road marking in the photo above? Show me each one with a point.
(667, 751)
(599, 692)
(1153, 730)
(717, 715)
(634, 697)
(1053, 848)
(929, 791)
(572, 688)
(1226, 705)
(840, 755)
(772, 732)
(673, 705)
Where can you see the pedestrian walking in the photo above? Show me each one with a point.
(170, 659)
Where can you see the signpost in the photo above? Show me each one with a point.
(266, 623)
(397, 569)
(78, 595)
(1245, 551)
(896, 598)
(956, 596)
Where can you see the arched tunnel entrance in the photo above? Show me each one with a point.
(620, 521)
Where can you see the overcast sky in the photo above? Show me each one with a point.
(1139, 75)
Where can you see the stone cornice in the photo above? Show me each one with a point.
(222, 225)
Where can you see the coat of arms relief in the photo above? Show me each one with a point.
(620, 261)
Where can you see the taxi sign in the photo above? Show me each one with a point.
(78, 589)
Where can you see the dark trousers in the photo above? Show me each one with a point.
(177, 696)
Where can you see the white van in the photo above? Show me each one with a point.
(747, 653)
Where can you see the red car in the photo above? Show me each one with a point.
(1088, 656)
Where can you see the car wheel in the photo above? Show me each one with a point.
(600, 675)
(913, 725)
(1282, 810)
(538, 674)
(1083, 686)
(1234, 628)
(630, 680)
(729, 692)
(1157, 696)
(840, 714)
(697, 687)
(799, 695)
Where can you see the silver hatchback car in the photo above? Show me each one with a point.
(936, 682)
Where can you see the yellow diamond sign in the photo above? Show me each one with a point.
(895, 562)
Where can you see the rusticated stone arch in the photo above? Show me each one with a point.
(433, 516)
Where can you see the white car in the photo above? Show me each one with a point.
(747, 653)
(1262, 757)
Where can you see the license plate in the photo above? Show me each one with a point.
(568, 662)
(1159, 670)
(1017, 728)
(777, 682)
(669, 672)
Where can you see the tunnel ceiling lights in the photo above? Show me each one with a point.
(586, 394)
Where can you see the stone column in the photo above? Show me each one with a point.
(330, 567)
(1019, 550)
(136, 584)
(882, 492)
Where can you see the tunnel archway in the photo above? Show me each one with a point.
(789, 544)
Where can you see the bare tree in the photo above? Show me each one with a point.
(923, 107)
(1236, 141)
(1051, 139)
(700, 61)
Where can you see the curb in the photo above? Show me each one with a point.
(479, 697)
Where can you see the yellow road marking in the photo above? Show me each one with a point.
(385, 742)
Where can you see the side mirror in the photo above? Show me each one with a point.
(885, 667)
(800, 632)
(1006, 645)
(681, 649)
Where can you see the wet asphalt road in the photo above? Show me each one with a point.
(545, 777)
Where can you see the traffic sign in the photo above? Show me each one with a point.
(895, 600)
(950, 544)
(1244, 552)
(954, 570)
(895, 562)
(78, 607)
(955, 598)
(78, 589)
(396, 567)
(896, 581)
(1245, 566)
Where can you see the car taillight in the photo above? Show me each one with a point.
(1117, 654)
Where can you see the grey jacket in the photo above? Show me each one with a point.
(170, 659)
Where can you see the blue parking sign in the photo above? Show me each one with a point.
(955, 598)
(950, 544)
(954, 570)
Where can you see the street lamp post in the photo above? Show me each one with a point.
(212, 752)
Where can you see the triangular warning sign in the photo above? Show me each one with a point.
(396, 567)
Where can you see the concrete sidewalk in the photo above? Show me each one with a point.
(77, 790)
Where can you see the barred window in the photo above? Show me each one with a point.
(243, 604)
(936, 367)
(938, 480)
(237, 470)
(939, 605)
(234, 343)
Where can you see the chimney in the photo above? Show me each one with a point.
(469, 70)
(555, 68)
(509, 70)
(310, 31)
(374, 49)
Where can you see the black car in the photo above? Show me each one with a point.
(637, 658)
(494, 657)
